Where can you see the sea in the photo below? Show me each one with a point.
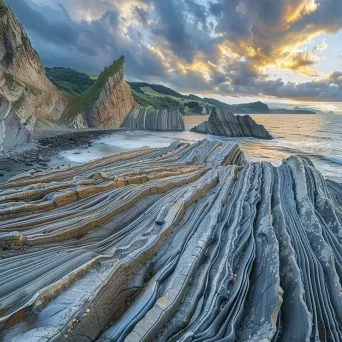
(318, 137)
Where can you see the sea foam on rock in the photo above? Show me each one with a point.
(223, 123)
(154, 120)
(185, 243)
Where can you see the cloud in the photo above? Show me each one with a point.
(216, 46)
(302, 62)
(320, 47)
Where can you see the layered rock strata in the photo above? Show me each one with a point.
(106, 103)
(224, 123)
(12, 131)
(22, 76)
(184, 243)
(158, 120)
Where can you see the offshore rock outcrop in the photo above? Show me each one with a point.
(22, 76)
(158, 120)
(224, 123)
(106, 103)
(184, 243)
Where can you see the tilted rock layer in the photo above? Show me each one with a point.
(11, 127)
(106, 103)
(22, 77)
(184, 243)
(159, 120)
(224, 123)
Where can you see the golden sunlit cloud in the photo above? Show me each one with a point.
(294, 12)
(301, 62)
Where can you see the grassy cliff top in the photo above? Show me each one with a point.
(91, 95)
(3, 7)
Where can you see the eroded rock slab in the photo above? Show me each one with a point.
(223, 123)
(184, 243)
(105, 104)
(158, 120)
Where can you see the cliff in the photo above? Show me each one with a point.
(182, 243)
(159, 120)
(22, 76)
(223, 123)
(105, 104)
(12, 130)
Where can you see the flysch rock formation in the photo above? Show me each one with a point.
(154, 120)
(106, 103)
(11, 127)
(183, 243)
(223, 123)
(23, 82)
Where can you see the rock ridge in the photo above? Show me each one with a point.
(154, 120)
(223, 123)
(106, 103)
(183, 243)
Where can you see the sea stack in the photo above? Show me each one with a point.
(154, 120)
(23, 82)
(223, 123)
(106, 103)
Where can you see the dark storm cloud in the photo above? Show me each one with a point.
(56, 26)
(172, 27)
(59, 31)
(183, 43)
(83, 45)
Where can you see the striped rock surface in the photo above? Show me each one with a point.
(158, 120)
(184, 243)
(223, 123)
(12, 131)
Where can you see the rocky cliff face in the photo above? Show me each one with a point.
(223, 123)
(22, 77)
(182, 243)
(12, 130)
(159, 120)
(106, 103)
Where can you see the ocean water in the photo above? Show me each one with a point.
(318, 137)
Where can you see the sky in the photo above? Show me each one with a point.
(277, 51)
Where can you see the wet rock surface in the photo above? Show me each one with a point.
(183, 243)
(223, 123)
(46, 146)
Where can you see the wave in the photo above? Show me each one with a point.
(335, 160)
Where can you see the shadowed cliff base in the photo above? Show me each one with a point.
(224, 123)
(186, 243)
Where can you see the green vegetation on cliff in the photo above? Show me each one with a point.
(69, 81)
(84, 90)
(161, 97)
(3, 8)
(90, 96)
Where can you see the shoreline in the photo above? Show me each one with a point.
(41, 154)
